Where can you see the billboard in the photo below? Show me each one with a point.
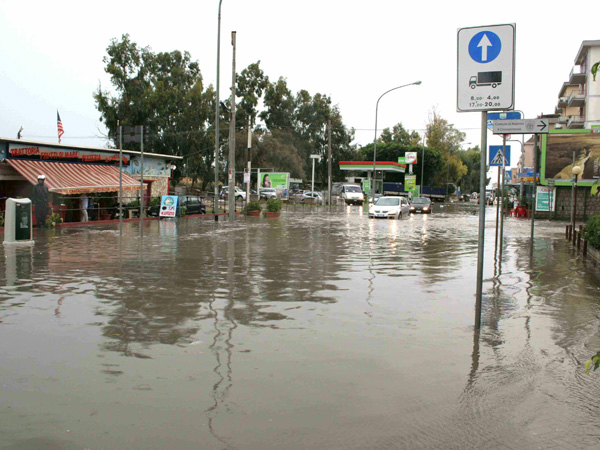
(280, 181)
(558, 149)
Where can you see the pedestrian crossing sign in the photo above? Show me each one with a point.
(496, 156)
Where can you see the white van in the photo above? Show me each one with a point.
(352, 194)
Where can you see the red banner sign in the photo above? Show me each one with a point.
(48, 154)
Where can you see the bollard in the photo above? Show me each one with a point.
(567, 232)
(579, 240)
(584, 247)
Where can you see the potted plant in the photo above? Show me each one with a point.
(253, 208)
(273, 207)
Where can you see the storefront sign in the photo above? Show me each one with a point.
(36, 152)
(168, 206)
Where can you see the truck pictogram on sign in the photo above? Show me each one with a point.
(492, 79)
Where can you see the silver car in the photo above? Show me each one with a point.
(389, 208)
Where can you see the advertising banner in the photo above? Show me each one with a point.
(410, 184)
(558, 153)
(279, 181)
(168, 206)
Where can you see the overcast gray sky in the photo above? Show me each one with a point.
(52, 52)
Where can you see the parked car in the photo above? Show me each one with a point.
(239, 193)
(267, 193)
(420, 205)
(316, 197)
(389, 208)
(193, 205)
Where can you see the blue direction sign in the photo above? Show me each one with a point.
(485, 47)
(506, 115)
(496, 156)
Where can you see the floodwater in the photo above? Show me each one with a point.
(311, 331)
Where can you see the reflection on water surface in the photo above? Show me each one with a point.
(317, 330)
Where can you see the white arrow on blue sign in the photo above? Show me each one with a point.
(496, 156)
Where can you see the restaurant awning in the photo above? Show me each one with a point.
(70, 178)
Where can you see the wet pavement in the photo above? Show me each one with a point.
(316, 330)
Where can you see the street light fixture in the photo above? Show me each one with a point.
(371, 185)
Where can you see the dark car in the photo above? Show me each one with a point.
(192, 203)
(420, 205)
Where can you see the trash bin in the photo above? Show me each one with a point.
(17, 221)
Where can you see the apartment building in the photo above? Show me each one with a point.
(578, 104)
(579, 97)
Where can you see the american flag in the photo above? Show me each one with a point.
(61, 130)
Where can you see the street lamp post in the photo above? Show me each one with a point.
(371, 185)
(576, 171)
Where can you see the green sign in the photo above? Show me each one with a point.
(274, 180)
(365, 186)
(401, 160)
(410, 184)
(544, 199)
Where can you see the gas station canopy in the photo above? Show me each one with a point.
(367, 166)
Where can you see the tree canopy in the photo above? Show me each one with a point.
(165, 93)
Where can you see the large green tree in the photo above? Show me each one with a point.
(164, 92)
(444, 137)
(400, 135)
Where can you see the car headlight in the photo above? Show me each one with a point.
(425, 208)
(412, 208)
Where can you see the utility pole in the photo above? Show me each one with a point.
(249, 160)
(231, 189)
(216, 198)
(329, 164)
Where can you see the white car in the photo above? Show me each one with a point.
(389, 208)
(316, 197)
(267, 193)
(239, 193)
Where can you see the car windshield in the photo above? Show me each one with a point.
(352, 189)
(386, 201)
(421, 201)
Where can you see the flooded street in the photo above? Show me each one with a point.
(311, 331)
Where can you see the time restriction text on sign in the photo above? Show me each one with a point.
(486, 61)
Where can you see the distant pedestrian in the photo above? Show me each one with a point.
(40, 201)
(84, 207)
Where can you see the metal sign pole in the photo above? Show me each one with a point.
(502, 210)
(120, 178)
(142, 177)
(480, 242)
(534, 197)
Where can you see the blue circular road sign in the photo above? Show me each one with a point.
(485, 47)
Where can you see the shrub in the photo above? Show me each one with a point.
(274, 205)
(253, 206)
(52, 220)
(1, 218)
(591, 232)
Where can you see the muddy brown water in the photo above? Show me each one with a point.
(311, 331)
